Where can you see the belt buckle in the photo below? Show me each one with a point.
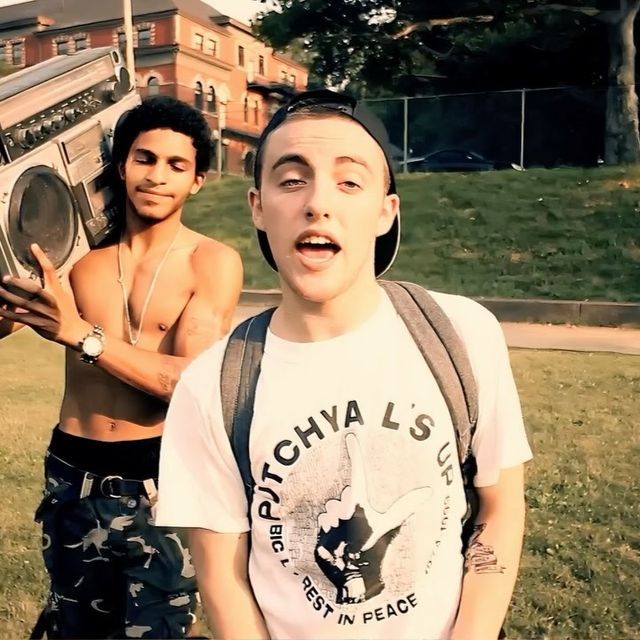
(109, 479)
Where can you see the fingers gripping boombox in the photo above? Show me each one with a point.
(56, 186)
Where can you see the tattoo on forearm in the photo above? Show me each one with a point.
(168, 376)
(480, 558)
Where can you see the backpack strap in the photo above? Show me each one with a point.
(446, 356)
(444, 352)
(238, 382)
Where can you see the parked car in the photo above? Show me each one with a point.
(455, 160)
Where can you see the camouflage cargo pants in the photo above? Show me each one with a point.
(113, 573)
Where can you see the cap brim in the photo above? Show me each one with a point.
(385, 252)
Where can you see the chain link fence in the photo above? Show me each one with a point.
(529, 128)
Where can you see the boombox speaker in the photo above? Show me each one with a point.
(56, 129)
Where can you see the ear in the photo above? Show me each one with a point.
(255, 203)
(390, 209)
(197, 183)
(121, 171)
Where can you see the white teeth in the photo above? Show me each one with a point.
(317, 240)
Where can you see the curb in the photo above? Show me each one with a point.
(589, 313)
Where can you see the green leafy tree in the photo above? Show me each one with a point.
(481, 44)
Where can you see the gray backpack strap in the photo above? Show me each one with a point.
(444, 352)
(238, 381)
(446, 356)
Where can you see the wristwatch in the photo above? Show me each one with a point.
(92, 345)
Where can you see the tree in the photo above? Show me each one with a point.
(377, 41)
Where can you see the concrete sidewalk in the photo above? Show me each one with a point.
(543, 336)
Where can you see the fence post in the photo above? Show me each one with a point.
(222, 123)
(522, 123)
(405, 136)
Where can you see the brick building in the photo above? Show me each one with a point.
(183, 48)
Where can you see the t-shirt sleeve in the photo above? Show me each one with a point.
(199, 482)
(500, 440)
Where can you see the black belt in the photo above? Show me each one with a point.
(89, 484)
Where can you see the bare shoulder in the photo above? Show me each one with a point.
(210, 256)
(95, 259)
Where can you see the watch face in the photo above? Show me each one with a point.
(92, 346)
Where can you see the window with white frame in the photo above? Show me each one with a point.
(198, 97)
(62, 47)
(153, 86)
(240, 55)
(198, 41)
(212, 47)
(211, 100)
(81, 42)
(261, 65)
(144, 36)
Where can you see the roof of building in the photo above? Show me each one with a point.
(69, 13)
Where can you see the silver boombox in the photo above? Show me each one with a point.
(56, 129)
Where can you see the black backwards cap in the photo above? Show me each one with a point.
(387, 244)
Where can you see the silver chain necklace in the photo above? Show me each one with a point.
(133, 340)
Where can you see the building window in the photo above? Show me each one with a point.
(122, 41)
(211, 100)
(198, 41)
(261, 65)
(241, 56)
(198, 96)
(154, 86)
(144, 36)
(245, 109)
(256, 113)
(17, 53)
(81, 43)
(292, 80)
(212, 47)
(62, 48)
(3, 52)
(284, 76)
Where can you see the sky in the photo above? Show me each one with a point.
(239, 9)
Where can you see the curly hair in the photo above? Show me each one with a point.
(163, 112)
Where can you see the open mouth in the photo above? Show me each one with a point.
(319, 248)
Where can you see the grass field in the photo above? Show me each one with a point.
(561, 233)
(580, 575)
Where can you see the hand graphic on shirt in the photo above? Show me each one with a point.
(353, 537)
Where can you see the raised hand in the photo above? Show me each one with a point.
(48, 308)
(353, 537)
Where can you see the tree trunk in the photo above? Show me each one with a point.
(622, 142)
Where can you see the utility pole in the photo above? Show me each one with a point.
(128, 37)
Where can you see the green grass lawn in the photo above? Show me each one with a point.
(580, 574)
(559, 233)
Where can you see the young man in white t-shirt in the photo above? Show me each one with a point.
(355, 528)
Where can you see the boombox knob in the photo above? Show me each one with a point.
(70, 114)
(26, 139)
(58, 121)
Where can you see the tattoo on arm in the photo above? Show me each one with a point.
(480, 558)
(168, 376)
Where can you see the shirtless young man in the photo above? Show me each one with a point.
(136, 313)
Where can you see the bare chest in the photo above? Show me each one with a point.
(140, 306)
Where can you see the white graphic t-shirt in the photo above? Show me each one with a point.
(356, 516)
